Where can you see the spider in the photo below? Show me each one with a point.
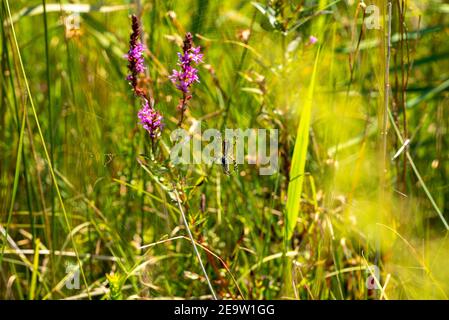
(226, 159)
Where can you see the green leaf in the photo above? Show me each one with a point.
(429, 94)
(299, 158)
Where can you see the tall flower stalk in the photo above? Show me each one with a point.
(187, 73)
(150, 118)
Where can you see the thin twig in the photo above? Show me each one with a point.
(207, 250)
(46, 252)
(387, 91)
(194, 244)
(418, 175)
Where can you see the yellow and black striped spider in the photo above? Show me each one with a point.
(226, 158)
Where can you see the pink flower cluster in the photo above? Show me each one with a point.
(135, 61)
(150, 118)
(188, 74)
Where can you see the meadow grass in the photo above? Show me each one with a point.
(86, 192)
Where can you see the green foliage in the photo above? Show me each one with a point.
(81, 183)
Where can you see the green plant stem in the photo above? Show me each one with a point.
(47, 155)
(194, 244)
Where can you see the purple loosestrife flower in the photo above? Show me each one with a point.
(187, 74)
(150, 118)
(135, 56)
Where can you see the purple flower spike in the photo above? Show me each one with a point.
(188, 74)
(150, 119)
(184, 78)
(135, 54)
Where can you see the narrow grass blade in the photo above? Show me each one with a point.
(15, 184)
(299, 157)
(32, 294)
(418, 175)
(429, 94)
(41, 136)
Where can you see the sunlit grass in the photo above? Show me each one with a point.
(83, 185)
